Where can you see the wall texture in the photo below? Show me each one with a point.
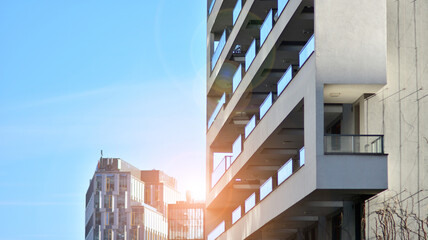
(400, 112)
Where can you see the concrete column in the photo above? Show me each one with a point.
(300, 234)
(348, 221)
(322, 228)
(347, 119)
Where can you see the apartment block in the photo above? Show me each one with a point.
(317, 108)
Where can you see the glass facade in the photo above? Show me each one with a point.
(186, 221)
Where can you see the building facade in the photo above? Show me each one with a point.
(160, 190)
(317, 109)
(115, 206)
(186, 220)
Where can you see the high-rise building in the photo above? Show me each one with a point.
(186, 220)
(314, 109)
(160, 190)
(115, 207)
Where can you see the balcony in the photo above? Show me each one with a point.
(218, 50)
(237, 77)
(220, 169)
(236, 11)
(250, 126)
(281, 6)
(255, 198)
(267, 103)
(251, 54)
(211, 7)
(306, 51)
(353, 144)
(285, 80)
(266, 27)
(220, 104)
(217, 231)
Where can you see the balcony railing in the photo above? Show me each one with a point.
(211, 7)
(302, 157)
(220, 169)
(266, 27)
(250, 202)
(266, 188)
(250, 126)
(237, 10)
(306, 51)
(236, 148)
(237, 77)
(353, 144)
(217, 110)
(217, 231)
(250, 55)
(285, 171)
(281, 6)
(218, 50)
(267, 103)
(236, 214)
(285, 80)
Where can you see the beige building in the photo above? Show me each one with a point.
(314, 109)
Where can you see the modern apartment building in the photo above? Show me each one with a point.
(318, 108)
(115, 206)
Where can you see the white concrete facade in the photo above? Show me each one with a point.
(355, 107)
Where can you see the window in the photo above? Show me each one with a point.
(108, 202)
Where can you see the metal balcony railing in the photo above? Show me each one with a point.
(353, 144)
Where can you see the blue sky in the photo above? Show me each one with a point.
(79, 76)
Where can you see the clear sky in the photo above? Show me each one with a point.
(78, 76)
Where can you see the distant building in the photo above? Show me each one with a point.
(186, 220)
(115, 207)
(160, 190)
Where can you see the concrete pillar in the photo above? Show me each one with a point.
(347, 126)
(322, 228)
(348, 221)
(300, 235)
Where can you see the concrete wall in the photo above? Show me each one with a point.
(400, 110)
(347, 56)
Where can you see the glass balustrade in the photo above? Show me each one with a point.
(237, 77)
(217, 109)
(250, 202)
(285, 80)
(267, 103)
(266, 188)
(281, 6)
(250, 55)
(250, 126)
(218, 50)
(236, 148)
(236, 11)
(285, 171)
(211, 7)
(217, 231)
(266, 27)
(353, 144)
(220, 170)
(306, 51)
(236, 214)
(302, 156)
